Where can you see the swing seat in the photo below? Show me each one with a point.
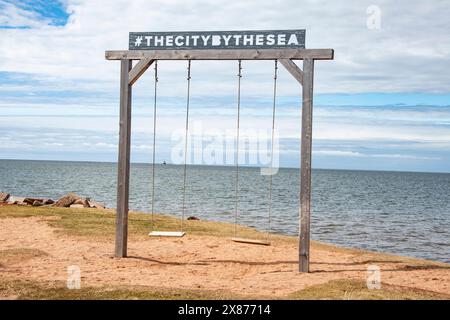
(166, 234)
(252, 241)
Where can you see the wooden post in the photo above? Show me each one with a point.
(123, 171)
(305, 169)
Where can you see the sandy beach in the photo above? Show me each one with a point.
(194, 262)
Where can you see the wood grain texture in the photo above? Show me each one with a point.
(139, 69)
(167, 234)
(222, 54)
(293, 69)
(123, 172)
(305, 170)
(251, 241)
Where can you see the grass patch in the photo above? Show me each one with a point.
(90, 222)
(332, 290)
(346, 289)
(12, 256)
(97, 222)
(33, 290)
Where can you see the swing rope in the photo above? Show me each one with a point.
(169, 233)
(237, 147)
(275, 76)
(186, 142)
(154, 144)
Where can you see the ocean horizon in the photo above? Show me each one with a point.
(227, 165)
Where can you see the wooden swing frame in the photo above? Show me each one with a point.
(129, 74)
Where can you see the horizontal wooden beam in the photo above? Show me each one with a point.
(293, 69)
(222, 54)
(138, 70)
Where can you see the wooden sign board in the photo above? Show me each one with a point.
(267, 39)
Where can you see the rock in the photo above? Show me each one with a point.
(4, 196)
(48, 201)
(79, 206)
(37, 203)
(15, 200)
(84, 202)
(95, 204)
(192, 218)
(66, 200)
(30, 201)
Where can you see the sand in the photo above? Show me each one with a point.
(201, 262)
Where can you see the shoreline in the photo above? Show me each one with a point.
(316, 242)
(38, 244)
(75, 201)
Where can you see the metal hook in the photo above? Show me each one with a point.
(240, 69)
(275, 69)
(189, 70)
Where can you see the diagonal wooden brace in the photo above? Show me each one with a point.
(139, 69)
(293, 69)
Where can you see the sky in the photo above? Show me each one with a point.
(383, 103)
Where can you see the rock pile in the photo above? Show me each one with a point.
(4, 196)
(71, 200)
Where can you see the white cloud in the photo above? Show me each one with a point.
(404, 156)
(13, 16)
(408, 53)
(340, 153)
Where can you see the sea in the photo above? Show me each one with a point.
(405, 213)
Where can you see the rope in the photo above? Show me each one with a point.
(237, 147)
(275, 76)
(186, 142)
(154, 144)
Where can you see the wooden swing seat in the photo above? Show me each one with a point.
(166, 234)
(252, 241)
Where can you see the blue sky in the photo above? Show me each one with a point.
(382, 104)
